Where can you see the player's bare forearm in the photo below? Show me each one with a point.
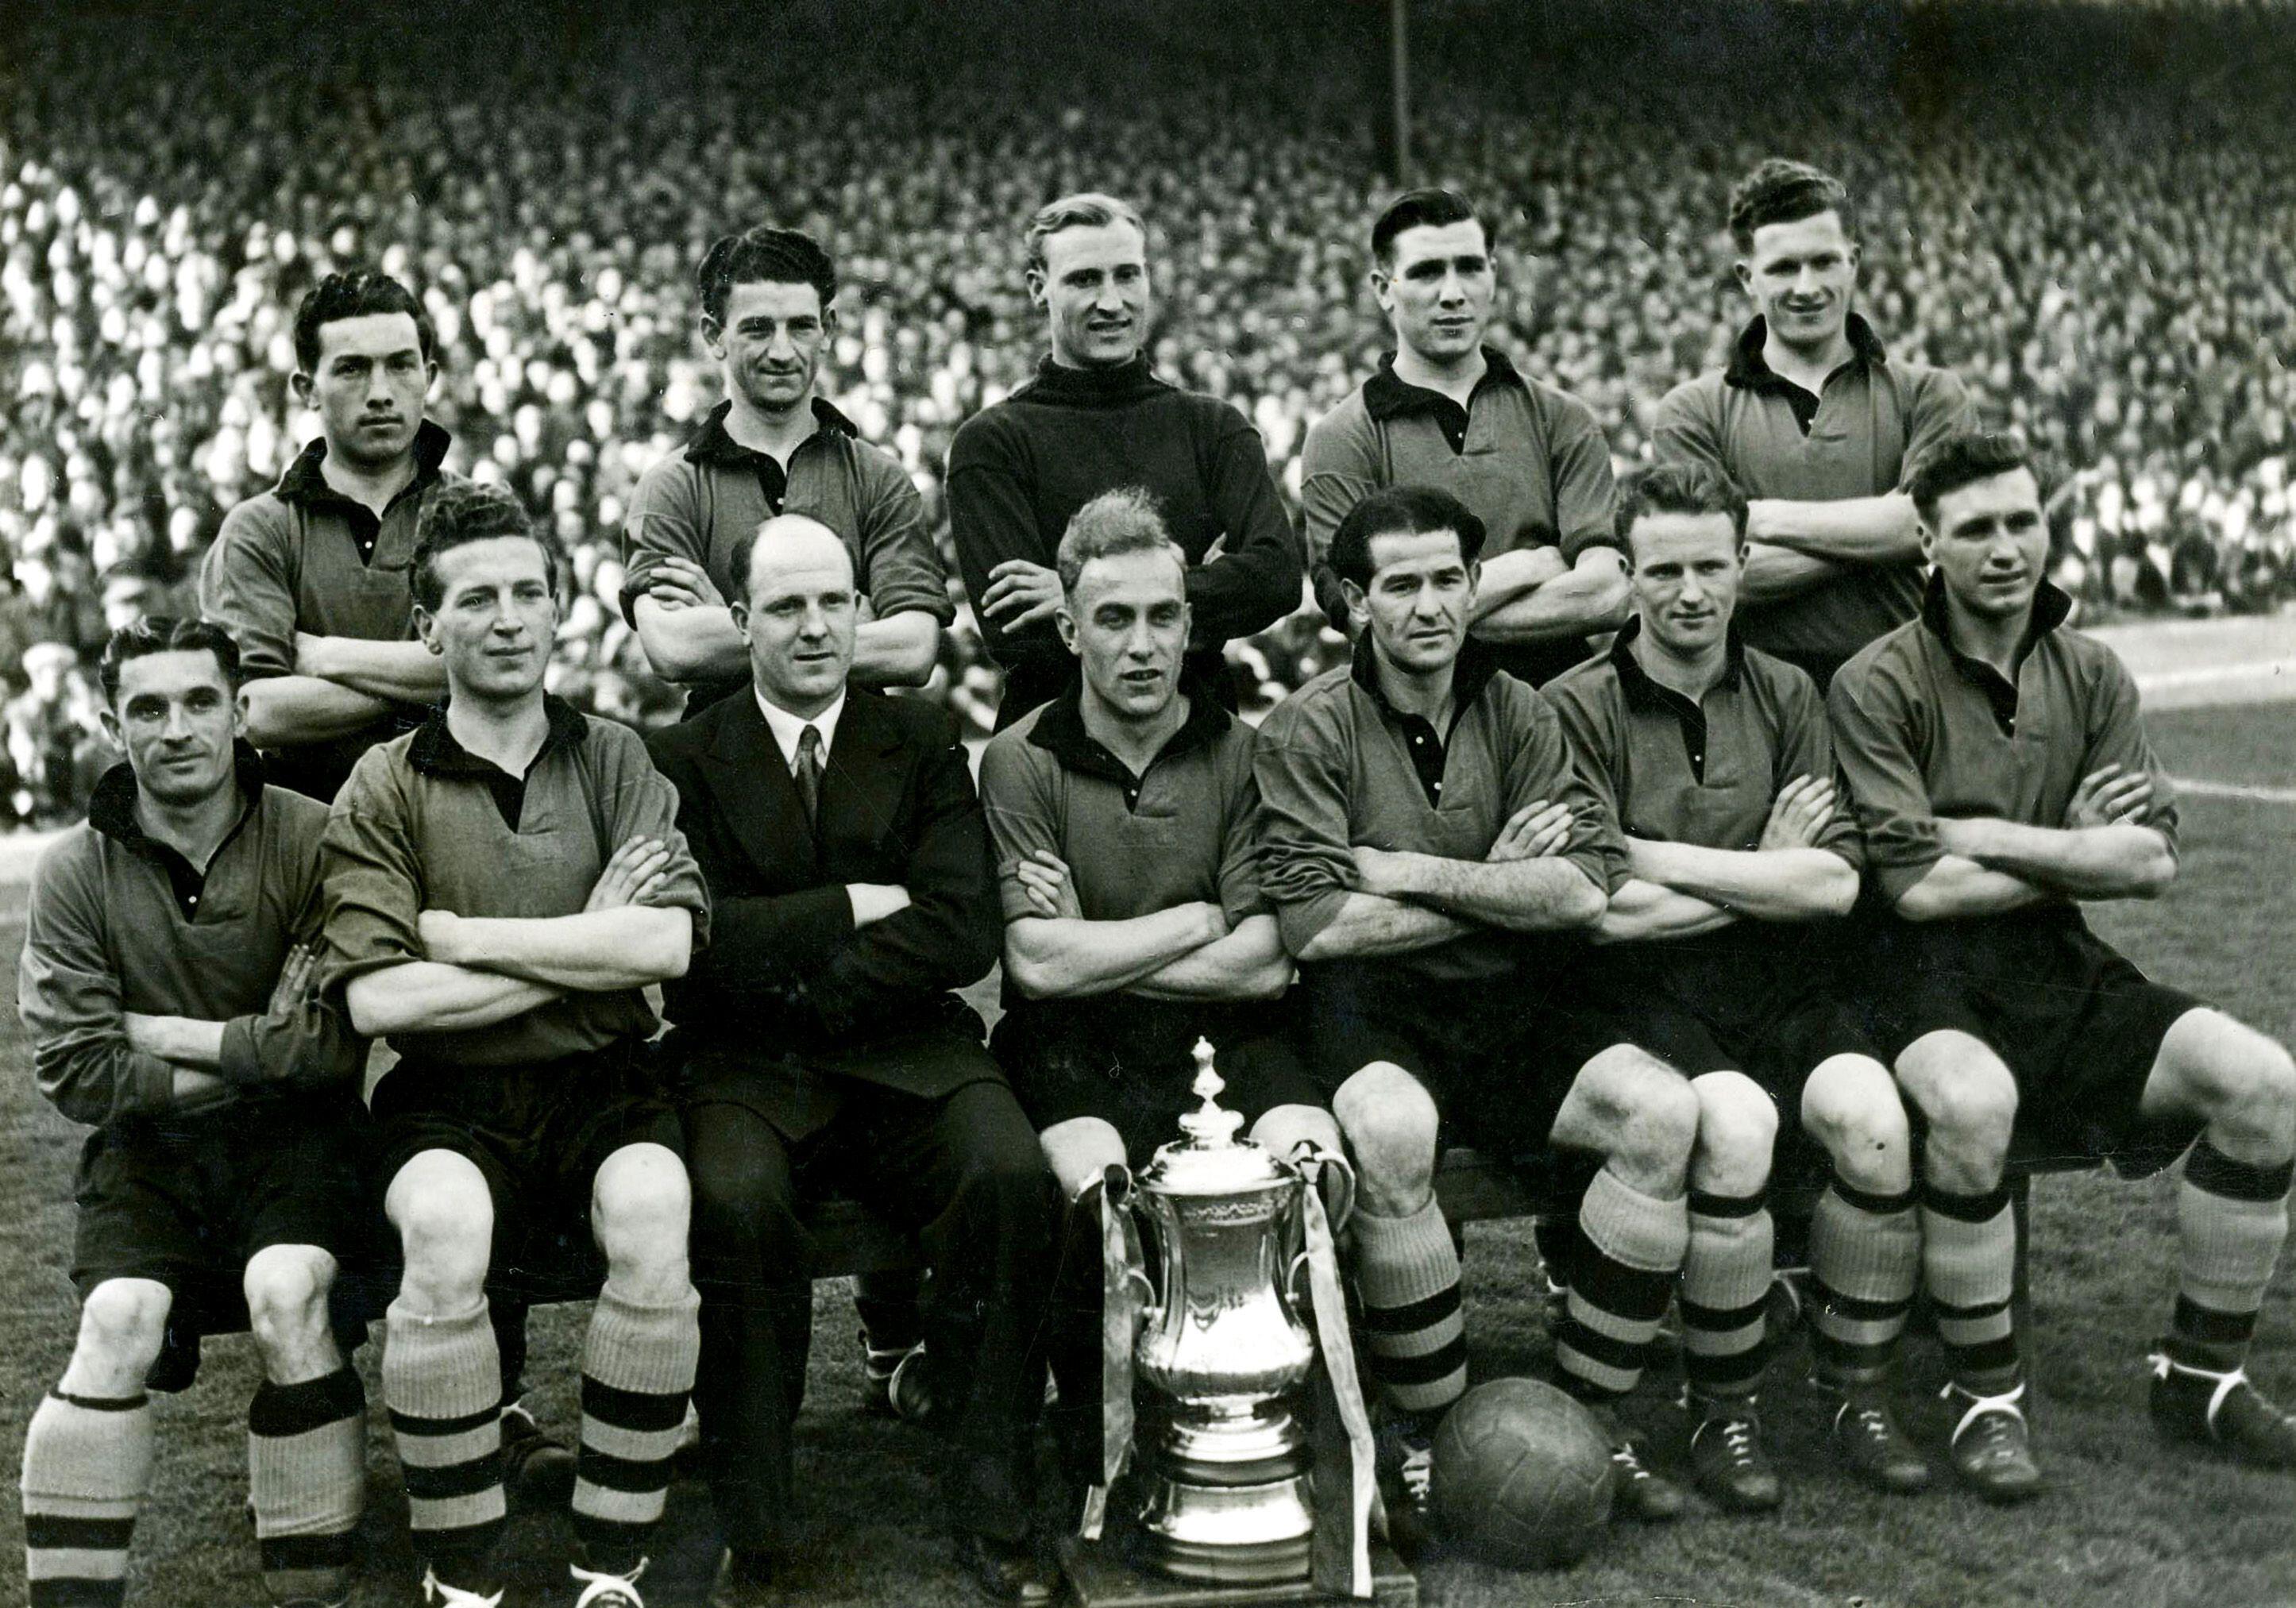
(1850, 531)
(1953, 888)
(432, 996)
(2122, 860)
(286, 711)
(1508, 576)
(694, 643)
(404, 672)
(1542, 895)
(1588, 597)
(1370, 924)
(1249, 964)
(184, 1040)
(1641, 911)
(1062, 957)
(1766, 884)
(898, 650)
(591, 951)
(1775, 572)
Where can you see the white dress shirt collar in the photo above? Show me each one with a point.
(786, 726)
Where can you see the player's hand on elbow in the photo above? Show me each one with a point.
(872, 902)
(1537, 831)
(297, 989)
(2108, 796)
(1800, 814)
(679, 583)
(1045, 878)
(1020, 593)
(632, 875)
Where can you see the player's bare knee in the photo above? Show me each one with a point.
(445, 1220)
(1850, 1106)
(1080, 1151)
(1282, 1129)
(1737, 1131)
(2240, 1081)
(639, 1206)
(1392, 1128)
(287, 1288)
(122, 1325)
(1638, 1113)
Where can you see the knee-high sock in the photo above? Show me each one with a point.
(306, 1478)
(637, 1370)
(86, 1463)
(1969, 1259)
(1866, 1257)
(1634, 1247)
(1407, 1271)
(442, 1381)
(2232, 1220)
(1725, 1290)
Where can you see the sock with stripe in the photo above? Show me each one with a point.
(1725, 1290)
(2232, 1220)
(637, 1370)
(1632, 1252)
(306, 1480)
(1407, 1270)
(87, 1462)
(442, 1381)
(1866, 1257)
(1969, 1263)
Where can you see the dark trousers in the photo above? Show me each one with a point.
(964, 1174)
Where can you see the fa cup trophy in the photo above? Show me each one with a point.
(1229, 1381)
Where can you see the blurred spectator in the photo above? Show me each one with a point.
(2086, 211)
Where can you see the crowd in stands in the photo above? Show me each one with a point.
(2089, 211)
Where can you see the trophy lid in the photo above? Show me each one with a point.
(1212, 1158)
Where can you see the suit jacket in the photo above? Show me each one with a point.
(790, 1001)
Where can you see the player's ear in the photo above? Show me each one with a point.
(739, 610)
(426, 628)
(1066, 623)
(110, 718)
(1358, 606)
(299, 383)
(713, 336)
(1744, 270)
(1036, 277)
(829, 320)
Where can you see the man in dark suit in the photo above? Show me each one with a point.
(848, 863)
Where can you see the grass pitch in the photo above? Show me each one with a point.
(2128, 1524)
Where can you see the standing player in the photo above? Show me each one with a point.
(1817, 426)
(774, 446)
(1715, 760)
(1444, 410)
(1123, 817)
(2002, 774)
(167, 988)
(1094, 419)
(310, 577)
(502, 883)
(1423, 839)
(824, 1042)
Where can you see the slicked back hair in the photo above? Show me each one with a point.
(165, 634)
(1401, 510)
(1422, 208)
(1691, 489)
(1126, 520)
(358, 293)
(1781, 191)
(763, 255)
(1085, 210)
(1964, 458)
(458, 512)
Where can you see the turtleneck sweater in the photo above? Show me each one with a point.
(1018, 470)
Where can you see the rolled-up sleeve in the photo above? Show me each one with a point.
(1593, 745)
(641, 803)
(1016, 794)
(1806, 749)
(1875, 743)
(2116, 736)
(1539, 766)
(374, 891)
(1685, 431)
(1339, 468)
(1307, 861)
(1586, 492)
(69, 998)
(314, 1046)
(245, 586)
(663, 522)
(901, 570)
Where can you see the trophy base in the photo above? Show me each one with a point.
(1101, 1575)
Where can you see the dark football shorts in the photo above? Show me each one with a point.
(186, 1202)
(2076, 1024)
(1497, 1053)
(537, 1133)
(1130, 1061)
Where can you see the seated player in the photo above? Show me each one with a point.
(2001, 771)
(502, 884)
(166, 986)
(1123, 814)
(1424, 840)
(824, 1047)
(1714, 759)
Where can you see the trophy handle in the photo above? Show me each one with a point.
(1311, 1159)
(1292, 1281)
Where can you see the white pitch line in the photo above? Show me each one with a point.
(2234, 790)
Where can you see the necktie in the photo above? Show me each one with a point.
(807, 773)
